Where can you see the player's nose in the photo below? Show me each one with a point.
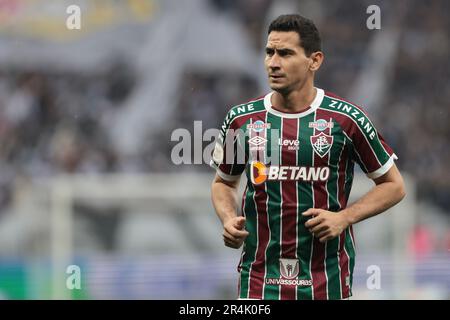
(274, 63)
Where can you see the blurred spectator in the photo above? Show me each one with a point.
(415, 116)
(53, 123)
(421, 242)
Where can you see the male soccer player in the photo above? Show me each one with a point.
(298, 145)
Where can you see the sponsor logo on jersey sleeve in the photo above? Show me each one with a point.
(361, 119)
(321, 143)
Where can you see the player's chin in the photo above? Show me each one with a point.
(276, 86)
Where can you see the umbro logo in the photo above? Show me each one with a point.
(257, 141)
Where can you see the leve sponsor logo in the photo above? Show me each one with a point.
(290, 144)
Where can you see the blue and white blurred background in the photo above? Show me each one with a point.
(86, 118)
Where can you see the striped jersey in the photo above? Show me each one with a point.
(293, 162)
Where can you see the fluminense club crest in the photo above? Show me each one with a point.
(321, 143)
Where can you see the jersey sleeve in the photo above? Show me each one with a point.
(229, 158)
(371, 152)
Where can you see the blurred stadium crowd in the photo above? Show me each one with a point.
(60, 122)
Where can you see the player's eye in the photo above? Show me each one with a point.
(269, 52)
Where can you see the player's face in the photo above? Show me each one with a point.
(286, 63)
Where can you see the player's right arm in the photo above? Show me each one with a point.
(229, 161)
(224, 199)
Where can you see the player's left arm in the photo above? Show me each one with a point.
(389, 190)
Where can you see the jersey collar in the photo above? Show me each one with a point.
(313, 107)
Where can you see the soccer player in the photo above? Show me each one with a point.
(298, 145)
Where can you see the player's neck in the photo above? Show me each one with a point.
(295, 101)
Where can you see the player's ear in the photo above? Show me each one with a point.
(316, 59)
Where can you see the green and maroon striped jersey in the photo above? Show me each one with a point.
(293, 162)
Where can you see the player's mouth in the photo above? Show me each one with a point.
(275, 76)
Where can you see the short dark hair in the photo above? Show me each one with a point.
(309, 35)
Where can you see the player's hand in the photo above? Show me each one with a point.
(325, 225)
(234, 233)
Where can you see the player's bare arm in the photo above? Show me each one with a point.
(388, 191)
(224, 198)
